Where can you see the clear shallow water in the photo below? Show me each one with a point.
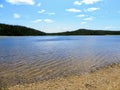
(28, 59)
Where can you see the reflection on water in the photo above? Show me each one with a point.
(29, 59)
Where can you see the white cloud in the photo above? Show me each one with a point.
(77, 3)
(43, 20)
(80, 15)
(37, 21)
(19, 2)
(88, 19)
(42, 11)
(45, 12)
(15, 15)
(83, 22)
(86, 2)
(92, 9)
(39, 4)
(48, 20)
(51, 13)
(1, 6)
(73, 10)
(90, 1)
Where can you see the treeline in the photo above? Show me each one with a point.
(15, 30)
(87, 32)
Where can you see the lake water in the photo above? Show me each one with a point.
(29, 59)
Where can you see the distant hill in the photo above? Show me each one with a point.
(15, 30)
(87, 32)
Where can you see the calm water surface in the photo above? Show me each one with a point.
(44, 57)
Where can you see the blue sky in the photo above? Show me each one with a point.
(61, 15)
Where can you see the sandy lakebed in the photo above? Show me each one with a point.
(60, 63)
(105, 78)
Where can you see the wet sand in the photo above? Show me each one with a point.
(106, 78)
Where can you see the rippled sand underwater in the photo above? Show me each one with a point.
(34, 59)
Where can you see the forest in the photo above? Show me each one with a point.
(16, 30)
(88, 32)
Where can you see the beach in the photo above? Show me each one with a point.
(105, 78)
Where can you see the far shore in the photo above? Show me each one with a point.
(106, 78)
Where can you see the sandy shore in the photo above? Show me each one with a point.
(107, 78)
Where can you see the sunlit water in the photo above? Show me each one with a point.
(29, 59)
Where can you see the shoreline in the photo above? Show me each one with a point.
(105, 78)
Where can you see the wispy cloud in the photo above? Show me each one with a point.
(88, 19)
(52, 13)
(80, 15)
(1, 6)
(77, 3)
(90, 1)
(15, 15)
(86, 2)
(20, 2)
(48, 21)
(45, 12)
(73, 10)
(42, 11)
(39, 4)
(43, 20)
(83, 22)
(37, 21)
(92, 9)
